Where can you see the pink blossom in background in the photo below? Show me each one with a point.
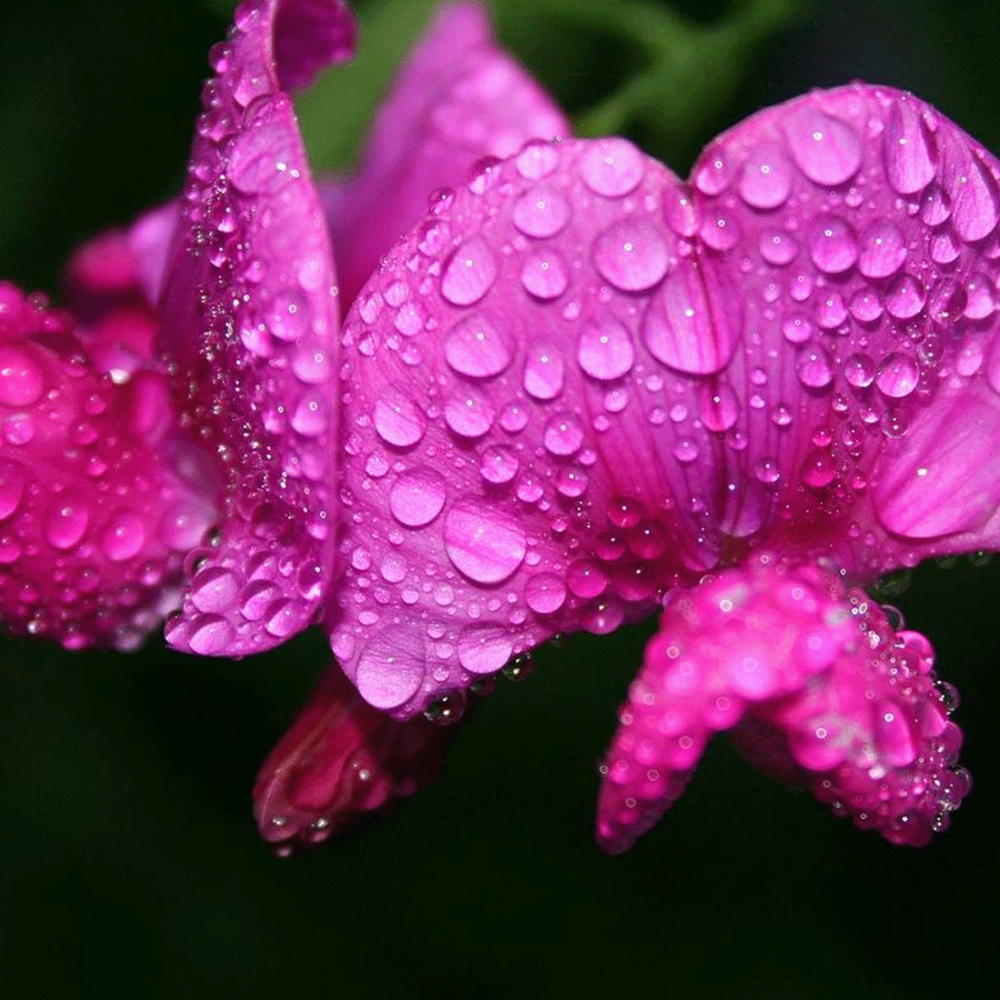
(575, 392)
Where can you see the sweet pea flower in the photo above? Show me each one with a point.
(574, 392)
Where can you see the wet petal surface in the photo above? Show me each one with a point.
(825, 693)
(249, 322)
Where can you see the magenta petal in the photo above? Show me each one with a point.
(250, 324)
(859, 225)
(458, 98)
(829, 694)
(342, 760)
(100, 495)
(516, 470)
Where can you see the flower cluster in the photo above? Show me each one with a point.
(505, 383)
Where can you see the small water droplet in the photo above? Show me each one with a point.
(544, 371)
(897, 376)
(398, 420)
(544, 274)
(883, 250)
(766, 181)
(605, 350)
(814, 369)
(832, 246)
(417, 497)
(541, 212)
(612, 167)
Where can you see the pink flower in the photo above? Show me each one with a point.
(578, 390)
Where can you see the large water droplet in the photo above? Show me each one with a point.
(537, 159)
(714, 171)
(605, 350)
(21, 379)
(544, 274)
(123, 536)
(469, 413)
(908, 147)
(883, 250)
(974, 199)
(545, 593)
(67, 522)
(814, 369)
(832, 245)
(216, 589)
(897, 376)
(13, 479)
(563, 435)
(484, 649)
(477, 347)
(541, 212)
(484, 543)
(498, 464)
(631, 254)
(826, 149)
(766, 180)
(417, 496)
(398, 420)
(391, 667)
(612, 167)
(469, 273)
(682, 330)
(819, 469)
(906, 297)
(778, 247)
(719, 407)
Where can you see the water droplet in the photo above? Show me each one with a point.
(935, 206)
(859, 370)
(605, 350)
(685, 451)
(909, 153)
(469, 413)
(498, 465)
(680, 328)
(826, 149)
(796, 329)
(21, 379)
(832, 246)
(391, 667)
(485, 544)
(830, 310)
(13, 479)
(545, 593)
(980, 297)
(478, 348)
(897, 376)
(631, 254)
(778, 247)
(123, 537)
(469, 273)
(766, 471)
(446, 709)
(484, 649)
(217, 589)
(720, 231)
(541, 212)
(905, 298)
(67, 522)
(892, 735)
(883, 250)
(819, 469)
(719, 407)
(714, 171)
(544, 274)
(974, 200)
(398, 420)
(563, 435)
(766, 180)
(288, 315)
(514, 418)
(210, 635)
(417, 496)
(612, 167)
(866, 305)
(586, 578)
(537, 160)
(544, 371)
(680, 211)
(814, 369)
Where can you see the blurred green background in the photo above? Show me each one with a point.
(129, 864)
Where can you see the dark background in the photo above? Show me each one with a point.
(129, 864)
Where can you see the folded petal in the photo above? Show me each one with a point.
(101, 494)
(340, 761)
(860, 226)
(826, 691)
(458, 98)
(250, 319)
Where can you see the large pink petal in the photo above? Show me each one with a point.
(340, 761)
(458, 98)
(830, 694)
(250, 320)
(516, 469)
(101, 495)
(860, 226)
